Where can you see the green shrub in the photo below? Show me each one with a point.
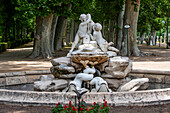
(3, 47)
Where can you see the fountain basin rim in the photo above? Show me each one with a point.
(135, 98)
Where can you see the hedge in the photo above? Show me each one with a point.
(13, 44)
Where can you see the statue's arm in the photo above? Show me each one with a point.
(91, 37)
(88, 20)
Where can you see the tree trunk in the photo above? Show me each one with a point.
(142, 37)
(52, 35)
(72, 31)
(67, 33)
(14, 30)
(120, 28)
(103, 32)
(134, 20)
(126, 21)
(58, 39)
(61, 23)
(21, 33)
(131, 17)
(42, 37)
(17, 31)
(5, 33)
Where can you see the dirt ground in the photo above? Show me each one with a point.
(114, 109)
(155, 58)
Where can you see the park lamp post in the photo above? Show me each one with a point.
(127, 26)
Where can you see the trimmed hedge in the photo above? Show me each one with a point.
(13, 44)
(3, 47)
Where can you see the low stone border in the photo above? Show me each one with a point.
(23, 77)
(137, 98)
(154, 76)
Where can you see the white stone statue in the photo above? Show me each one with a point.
(103, 44)
(83, 30)
(100, 84)
(87, 75)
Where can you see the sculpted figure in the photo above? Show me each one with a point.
(97, 36)
(83, 30)
(87, 75)
(100, 84)
(103, 44)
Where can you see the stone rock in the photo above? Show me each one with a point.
(115, 83)
(118, 61)
(46, 77)
(78, 67)
(111, 53)
(61, 69)
(60, 60)
(102, 66)
(133, 85)
(67, 76)
(50, 85)
(144, 86)
(119, 67)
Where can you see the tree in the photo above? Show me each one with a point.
(131, 17)
(43, 10)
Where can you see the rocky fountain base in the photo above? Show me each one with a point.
(112, 73)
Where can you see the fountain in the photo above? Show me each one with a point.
(91, 65)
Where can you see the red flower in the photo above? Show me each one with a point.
(74, 109)
(56, 105)
(92, 108)
(94, 103)
(105, 104)
(103, 99)
(65, 107)
(69, 104)
(101, 107)
(81, 109)
(82, 105)
(81, 99)
(87, 109)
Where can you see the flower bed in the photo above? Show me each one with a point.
(83, 108)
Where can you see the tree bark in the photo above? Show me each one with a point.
(58, 39)
(42, 37)
(131, 17)
(142, 37)
(134, 20)
(5, 33)
(14, 30)
(125, 21)
(120, 28)
(52, 35)
(72, 31)
(67, 33)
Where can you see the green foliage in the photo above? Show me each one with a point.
(152, 13)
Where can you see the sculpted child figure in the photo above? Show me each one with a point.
(103, 44)
(83, 30)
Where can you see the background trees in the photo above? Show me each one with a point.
(54, 23)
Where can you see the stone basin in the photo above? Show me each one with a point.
(35, 98)
(91, 58)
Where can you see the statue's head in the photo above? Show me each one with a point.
(98, 27)
(82, 17)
